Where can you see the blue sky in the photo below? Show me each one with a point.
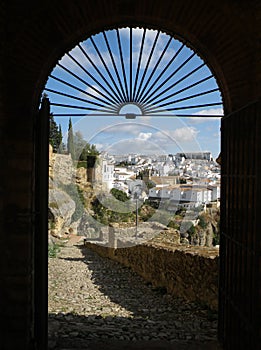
(92, 79)
(118, 135)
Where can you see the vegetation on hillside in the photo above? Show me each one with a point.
(79, 148)
(55, 135)
(194, 227)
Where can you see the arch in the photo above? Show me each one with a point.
(209, 59)
(159, 74)
(74, 22)
(35, 36)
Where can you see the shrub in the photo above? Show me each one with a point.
(53, 250)
(202, 221)
(82, 164)
(173, 224)
(120, 195)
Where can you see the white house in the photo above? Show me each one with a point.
(156, 192)
(165, 168)
(215, 195)
(120, 186)
(197, 195)
(184, 193)
(122, 176)
(107, 174)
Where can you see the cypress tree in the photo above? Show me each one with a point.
(60, 134)
(55, 135)
(70, 141)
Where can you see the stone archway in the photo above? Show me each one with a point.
(35, 37)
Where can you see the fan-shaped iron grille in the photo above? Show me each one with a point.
(146, 68)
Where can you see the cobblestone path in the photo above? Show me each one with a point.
(96, 303)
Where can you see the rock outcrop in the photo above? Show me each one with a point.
(61, 167)
(61, 209)
(61, 205)
(71, 209)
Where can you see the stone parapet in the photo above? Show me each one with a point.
(187, 272)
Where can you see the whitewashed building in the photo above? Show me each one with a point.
(187, 196)
(215, 195)
(198, 195)
(107, 174)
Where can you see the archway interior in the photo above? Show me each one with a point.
(145, 68)
(135, 73)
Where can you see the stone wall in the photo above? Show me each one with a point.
(187, 272)
(61, 167)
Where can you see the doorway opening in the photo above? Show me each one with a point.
(148, 107)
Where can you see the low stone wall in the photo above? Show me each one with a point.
(187, 272)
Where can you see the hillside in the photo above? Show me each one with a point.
(76, 208)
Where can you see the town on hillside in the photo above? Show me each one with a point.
(142, 194)
(188, 180)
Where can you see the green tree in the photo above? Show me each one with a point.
(55, 134)
(70, 140)
(79, 145)
(60, 135)
(203, 221)
(88, 150)
(82, 148)
(120, 195)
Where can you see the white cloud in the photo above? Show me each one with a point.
(187, 133)
(132, 136)
(184, 134)
(211, 111)
(77, 54)
(144, 136)
(134, 145)
(93, 91)
(148, 43)
(126, 128)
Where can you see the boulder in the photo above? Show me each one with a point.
(61, 209)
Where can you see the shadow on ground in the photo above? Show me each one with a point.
(157, 321)
(71, 332)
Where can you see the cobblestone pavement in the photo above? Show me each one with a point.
(96, 303)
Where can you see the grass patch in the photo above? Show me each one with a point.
(53, 250)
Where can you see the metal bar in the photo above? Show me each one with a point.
(190, 107)
(108, 71)
(94, 79)
(163, 71)
(184, 98)
(171, 76)
(162, 115)
(130, 64)
(100, 74)
(176, 83)
(78, 89)
(147, 65)
(122, 64)
(78, 107)
(75, 97)
(187, 87)
(155, 67)
(114, 66)
(139, 62)
(86, 83)
(82, 115)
